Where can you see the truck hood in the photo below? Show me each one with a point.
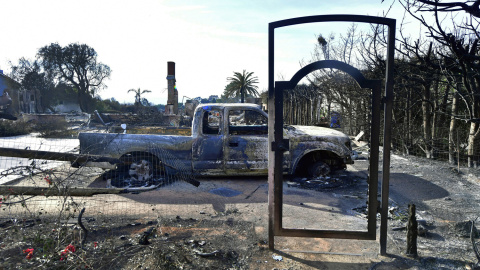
(311, 131)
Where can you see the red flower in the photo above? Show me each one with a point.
(69, 249)
(48, 180)
(95, 244)
(30, 253)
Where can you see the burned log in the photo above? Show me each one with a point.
(50, 191)
(47, 155)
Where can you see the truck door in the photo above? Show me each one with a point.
(246, 143)
(207, 149)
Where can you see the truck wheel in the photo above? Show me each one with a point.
(141, 170)
(319, 169)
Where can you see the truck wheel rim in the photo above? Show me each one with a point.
(141, 170)
(320, 169)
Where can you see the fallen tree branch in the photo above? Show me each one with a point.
(85, 231)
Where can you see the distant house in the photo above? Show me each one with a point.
(29, 101)
(22, 101)
(5, 99)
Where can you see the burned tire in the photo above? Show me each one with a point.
(319, 169)
(143, 167)
(138, 169)
(141, 170)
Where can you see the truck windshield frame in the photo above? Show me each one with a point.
(211, 122)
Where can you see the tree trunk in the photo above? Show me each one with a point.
(408, 112)
(427, 123)
(472, 162)
(442, 118)
(329, 111)
(312, 113)
(292, 109)
(451, 131)
(242, 90)
(367, 117)
(472, 135)
(81, 102)
(435, 116)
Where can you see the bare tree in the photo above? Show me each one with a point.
(338, 91)
(77, 65)
(460, 35)
(473, 9)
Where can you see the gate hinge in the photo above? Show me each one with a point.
(283, 146)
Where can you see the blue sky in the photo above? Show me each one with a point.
(208, 40)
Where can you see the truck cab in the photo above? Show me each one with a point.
(232, 139)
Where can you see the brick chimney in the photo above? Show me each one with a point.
(172, 101)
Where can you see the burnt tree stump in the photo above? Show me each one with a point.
(412, 232)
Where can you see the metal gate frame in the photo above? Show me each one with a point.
(277, 145)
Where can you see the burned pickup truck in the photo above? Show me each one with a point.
(226, 139)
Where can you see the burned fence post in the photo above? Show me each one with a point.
(412, 232)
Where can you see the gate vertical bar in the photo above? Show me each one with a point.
(277, 149)
(374, 159)
(271, 131)
(387, 136)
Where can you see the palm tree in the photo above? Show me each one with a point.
(138, 95)
(241, 84)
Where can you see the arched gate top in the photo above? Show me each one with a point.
(355, 73)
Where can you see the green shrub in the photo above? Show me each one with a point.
(53, 128)
(14, 128)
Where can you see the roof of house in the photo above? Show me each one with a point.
(5, 82)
